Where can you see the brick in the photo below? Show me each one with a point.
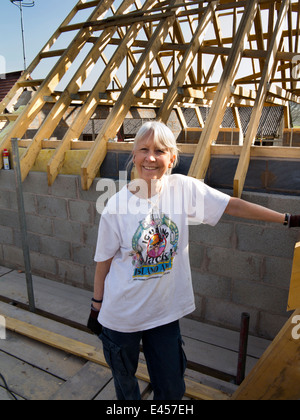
(270, 324)
(228, 314)
(221, 235)
(209, 285)
(6, 235)
(33, 241)
(277, 271)
(196, 255)
(65, 229)
(55, 247)
(83, 254)
(42, 264)
(38, 224)
(7, 181)
(70, 272)
(65, 186)
(274, 241)
(9, 218)
(90, 234)
(81, 211)
(29, 202)
(35, 183)
(4, 200)
(52, 207)
(260, 296)
(13, 256)
(224, 262)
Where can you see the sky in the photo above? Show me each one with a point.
(40, 22)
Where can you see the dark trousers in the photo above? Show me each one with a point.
(164, 355)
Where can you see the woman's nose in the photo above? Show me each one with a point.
(151, 157)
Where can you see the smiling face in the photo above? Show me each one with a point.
(152, 159)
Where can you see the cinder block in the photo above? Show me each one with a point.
(270, 324)
(52, 207)
(39, 224)
(4, 199)
(65, 186)
(242, 265)
(67, 230)
(81, 211)
(196, 255)
(260, 296)
(6, 235)
(273, 241)
(83, 255)
(42, 264)
(36, 183)
(9, 218)
(55, 247)
(228, 314)
(277, 271)
(33, 241)
(13, 256)
(7, 181)
(221, 235)
(90, 235)
(71, 273)
(209, 285)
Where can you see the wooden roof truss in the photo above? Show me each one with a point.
(165, 55)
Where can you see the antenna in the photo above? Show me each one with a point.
(20, 4)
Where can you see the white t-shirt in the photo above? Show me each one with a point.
(150, 283)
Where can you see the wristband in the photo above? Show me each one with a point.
(287, 219)
(97, 301)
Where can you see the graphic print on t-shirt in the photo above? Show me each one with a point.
(154, 247)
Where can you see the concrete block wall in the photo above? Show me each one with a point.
(62, 224)
(245, 266)
(237, 266)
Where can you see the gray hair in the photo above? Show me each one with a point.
(162, 135)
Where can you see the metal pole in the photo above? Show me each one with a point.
(23, 224)
(241, 370)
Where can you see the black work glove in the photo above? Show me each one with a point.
(93, 323)
(294, 221)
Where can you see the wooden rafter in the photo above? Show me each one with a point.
(202, 157)
(268, 71)
(96, 156)
(195, 61)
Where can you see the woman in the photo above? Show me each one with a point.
(143, 283)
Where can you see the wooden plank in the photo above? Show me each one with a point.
(91, 353)
(269, 68)
(201, 159)
(16, 90)
(277, 375)
(61, 106)
(48, 86)
(113, 123)
(294, 295)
